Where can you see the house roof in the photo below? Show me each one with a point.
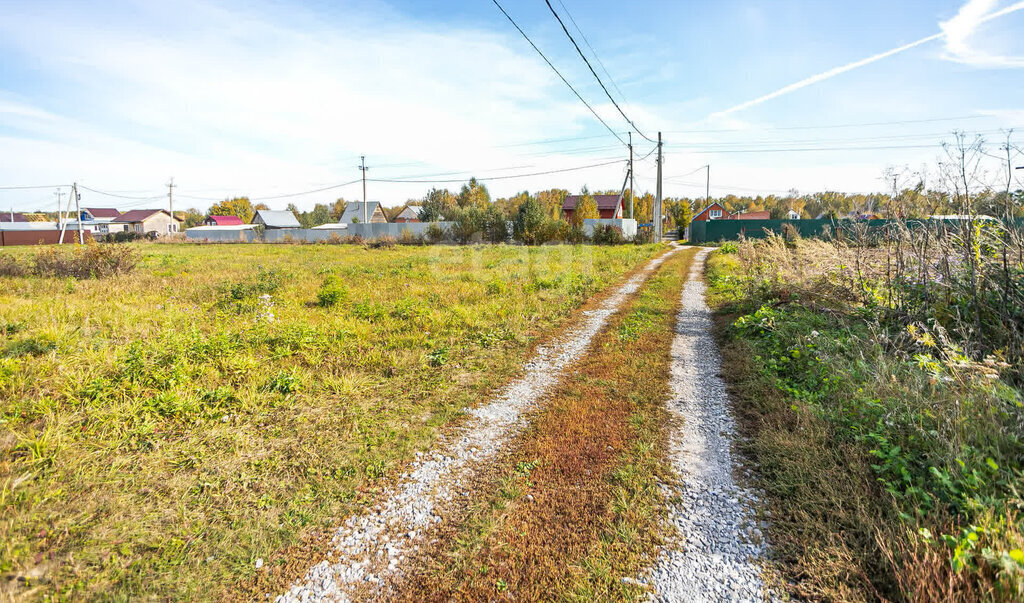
(604, 202)
(354, 210)
(720, 206)
(226, 220)
(138, 215)
(6, 217)
(277, 219)
(103, 212)
(409, 214)
(752, 215)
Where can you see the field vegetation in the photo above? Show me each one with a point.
(880, 384)
(164, 427)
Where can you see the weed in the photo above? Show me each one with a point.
(332, 292)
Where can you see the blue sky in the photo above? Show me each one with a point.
(271, 98)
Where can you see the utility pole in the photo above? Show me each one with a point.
(631, 189)
(363, 168)
(78, 211)
(170, 202)
(657, 199)
(60, 215)
(707, 187)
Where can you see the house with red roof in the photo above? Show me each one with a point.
(715, 211)
(223, 221)
(610, 207)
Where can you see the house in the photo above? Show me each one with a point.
(715, 211)
(11, 217)
(145, 221)
(751, 215)
(354, 213)
(609, 207)
(99, 220)
(409, 214)
(792, 215)
(223, 221)
(271, 219)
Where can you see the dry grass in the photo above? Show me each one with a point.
(574, 506)
(162, 430)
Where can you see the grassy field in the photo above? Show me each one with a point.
(890, 453)
(574, 505)
(162, 430)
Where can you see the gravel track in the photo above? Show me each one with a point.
(371, 547)
(718, 556)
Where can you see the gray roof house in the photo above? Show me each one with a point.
(354, 213)
(276, 219)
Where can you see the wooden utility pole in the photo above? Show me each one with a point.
(170, 203)
(362, 168)
(78, 212)
(707, 187)
(656, 217)
(631, 193)
(60, 215)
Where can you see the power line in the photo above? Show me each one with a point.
(594, 52)
(591, 67)
(22, 188)
(573, 169)
(319, 190)
(810, 149)
(559, 73)
(98, 192)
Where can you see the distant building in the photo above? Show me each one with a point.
(275, 219)
(609, 207)
(751, 215)
(792, 215)
(146, 221)
(99, 220)
(715, 211)
(223, 221)
(409, 214)
(354, 213)
(10, 217)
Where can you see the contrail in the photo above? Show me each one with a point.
(814, 79)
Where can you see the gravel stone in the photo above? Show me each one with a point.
(720, 557)
(417, 502)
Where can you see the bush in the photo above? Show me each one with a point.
(435, 234)
(91, 261)
(495, 226)
(467, 224)
(606, 234)
(728, 247)
(644, 236)
(332, 292)
(381, 243)
(129, 236)
(10, 266)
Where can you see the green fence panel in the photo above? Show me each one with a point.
(872, 230)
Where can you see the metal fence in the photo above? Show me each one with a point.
(731, 230)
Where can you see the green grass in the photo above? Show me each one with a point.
(161, 430)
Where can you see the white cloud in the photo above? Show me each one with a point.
(961, 29)
(277, 100)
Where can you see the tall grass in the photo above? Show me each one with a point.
(894, 355)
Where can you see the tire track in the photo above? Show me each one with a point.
(719, 556)
(371, 547)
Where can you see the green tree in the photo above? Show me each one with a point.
(436, 205)
(236, 206)
(495, 225)
(338, 209)
(191, 217)
(474, 194)
(530, 224)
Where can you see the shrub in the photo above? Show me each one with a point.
(381, 243)
(644, 236)
(332, 292)
(467, 224)
(10, 266)
(495, 226)
(435, 234)
(129, 236)
(91, 261)
(606, 234)
(728, 247)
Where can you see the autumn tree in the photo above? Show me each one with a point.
(236, 206)
(474, 194)
(586, 209)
